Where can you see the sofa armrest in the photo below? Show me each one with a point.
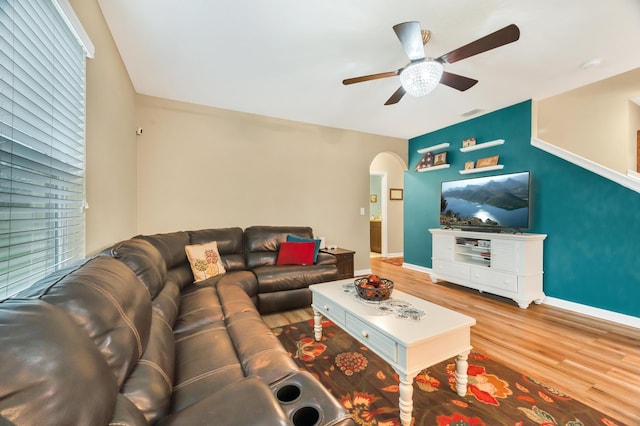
(326, 259)
(246, 402)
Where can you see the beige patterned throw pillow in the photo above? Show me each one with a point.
(205, 260)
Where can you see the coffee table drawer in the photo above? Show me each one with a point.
(378, 342)
(329, 309)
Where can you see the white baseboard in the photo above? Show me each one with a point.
(594, 312)
(416, 268)
(362, 272)
(401, 254)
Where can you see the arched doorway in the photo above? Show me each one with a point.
(386, 176)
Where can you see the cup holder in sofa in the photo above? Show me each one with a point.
(288, 393)
(306, 402)
(306, 416)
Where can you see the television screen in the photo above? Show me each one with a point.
(500, 201)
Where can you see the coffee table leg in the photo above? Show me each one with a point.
(461, 373)
(317, 325)
(406, 398)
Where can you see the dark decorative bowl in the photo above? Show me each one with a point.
(376, 294)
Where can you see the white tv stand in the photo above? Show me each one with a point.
(509, 265)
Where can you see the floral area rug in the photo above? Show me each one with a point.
(368, 387)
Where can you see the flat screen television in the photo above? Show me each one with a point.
(490, 203)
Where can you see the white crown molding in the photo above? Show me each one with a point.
(625, 180)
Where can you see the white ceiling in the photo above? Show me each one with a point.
(287, 58)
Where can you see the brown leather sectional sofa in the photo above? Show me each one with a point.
(127, 338)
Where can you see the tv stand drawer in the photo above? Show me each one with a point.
(452, 269)
(495, 279)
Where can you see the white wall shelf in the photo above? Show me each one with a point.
(482, 145)
(433, 148)
(482, 169)
(432, 168)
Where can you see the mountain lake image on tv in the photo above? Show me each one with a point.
(490, 203)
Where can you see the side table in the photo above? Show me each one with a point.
(344, 261)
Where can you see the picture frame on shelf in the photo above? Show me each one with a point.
(396, 193)
(373, 198)
(468, 142)
(469, 165)
(487, 161)
(440, 158)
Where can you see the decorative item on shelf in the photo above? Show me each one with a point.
(373, 288)
(488, 161)
(469, 165)
(396, 193)
(373, 198)
(468, 142)
(440, 158)
(425, 162)
(483, 145)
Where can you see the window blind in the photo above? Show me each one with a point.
(42, 143)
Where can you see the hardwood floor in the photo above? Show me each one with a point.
(595, 361)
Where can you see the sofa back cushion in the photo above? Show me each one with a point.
(109, 302)
(150, 384)
(144, 260)
(262, 242)
(170, 246)
(230, 245)
(51, 372)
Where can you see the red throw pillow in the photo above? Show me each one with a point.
(296, 253)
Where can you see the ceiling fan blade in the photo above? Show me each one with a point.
(506, 35)
(397, 95)
(410, 36)
(456, 81)
(370, 77)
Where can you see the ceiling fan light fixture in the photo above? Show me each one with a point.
(420, 78)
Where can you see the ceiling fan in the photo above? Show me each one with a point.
(420, 76)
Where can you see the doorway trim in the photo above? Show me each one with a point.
(383, 207)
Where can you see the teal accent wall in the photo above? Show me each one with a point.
(592, 250)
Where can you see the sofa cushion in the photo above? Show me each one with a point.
(205, 362)
(230, 245)
(167, 303)
(150, 384)
(144, 260)
(316, 242)
(291, 277)
(46, 362)
(262, 242)
(296, 253)
(258, 349)
(246, 402)
(171, 246)
(204, 260)
(109, 302)
(200, 306)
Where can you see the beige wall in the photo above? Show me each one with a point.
(394, 168)
(111, 140)
(634, 127)
(201, 167)
(593, 121)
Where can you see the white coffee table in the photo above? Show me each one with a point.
(408, 346)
